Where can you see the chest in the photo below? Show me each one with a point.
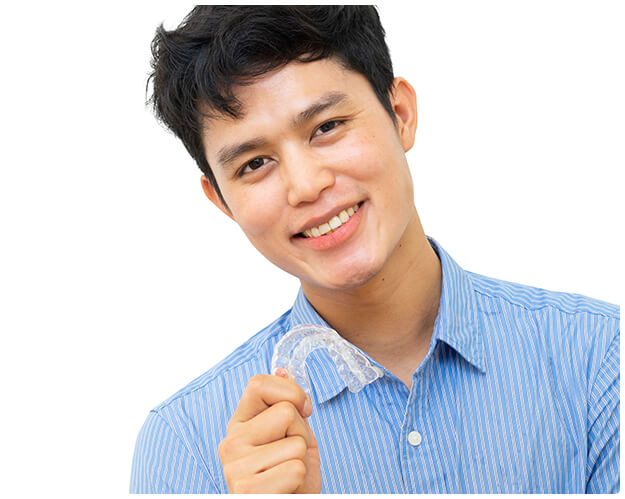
(455, 430)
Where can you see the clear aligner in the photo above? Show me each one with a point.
(294, 347)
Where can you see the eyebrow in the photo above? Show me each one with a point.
(327, 100)
(228, 154)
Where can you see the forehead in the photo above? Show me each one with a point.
(282, 93)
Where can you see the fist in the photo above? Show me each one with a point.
(269, 447)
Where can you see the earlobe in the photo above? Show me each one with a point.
(211, 194)
(404, 100)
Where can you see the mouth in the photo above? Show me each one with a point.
(331, 225)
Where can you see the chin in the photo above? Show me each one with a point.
(349, 278)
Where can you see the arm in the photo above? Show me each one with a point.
(602, 466)
(163, 465)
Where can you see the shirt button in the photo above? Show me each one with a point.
(414, 438)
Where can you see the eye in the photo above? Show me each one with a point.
(327, 126)
(254, 164)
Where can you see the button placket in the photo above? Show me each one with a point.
(414, 436)
(415, 453)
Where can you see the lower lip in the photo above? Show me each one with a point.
(340, 235)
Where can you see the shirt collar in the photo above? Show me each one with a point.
(456, 325)
(457, 320)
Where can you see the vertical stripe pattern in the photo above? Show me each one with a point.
(518, 392)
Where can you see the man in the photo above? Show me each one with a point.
(300, 128)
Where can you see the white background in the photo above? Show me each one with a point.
(120, 283)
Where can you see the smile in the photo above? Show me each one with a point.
(331, 225)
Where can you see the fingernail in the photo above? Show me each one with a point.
(281, 372)
(307, 407)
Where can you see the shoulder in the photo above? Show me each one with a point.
(533, 298)
(188, 426)
(251, 358)
(569, 330)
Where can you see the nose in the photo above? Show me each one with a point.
(306, 175)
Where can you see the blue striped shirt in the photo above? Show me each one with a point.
(518, 392)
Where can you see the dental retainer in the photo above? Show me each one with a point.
(291, 351)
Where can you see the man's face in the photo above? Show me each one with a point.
(314, 141)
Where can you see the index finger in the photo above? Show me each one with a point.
(263, 391)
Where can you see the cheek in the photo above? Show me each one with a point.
(363, 157)
(379, 160)
(257, 211)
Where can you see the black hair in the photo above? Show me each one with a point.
(197, 66)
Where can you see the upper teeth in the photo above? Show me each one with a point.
(334, 223)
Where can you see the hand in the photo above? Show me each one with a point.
(269, 447)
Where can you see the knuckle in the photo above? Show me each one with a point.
(227, 449)
(233, 427)
(242, 487)
(224, 449)
(299, 446)
(297, 468)
(255, 384)
(235, 472)
(232, 470)
(286, 412)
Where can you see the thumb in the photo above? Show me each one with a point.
(281, 372)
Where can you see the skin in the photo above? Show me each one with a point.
(380, 288)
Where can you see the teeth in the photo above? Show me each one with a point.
(323, 228)
(334, 223)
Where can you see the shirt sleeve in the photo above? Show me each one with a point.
(162, 464)
(602, 468)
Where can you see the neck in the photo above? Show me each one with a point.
(391, 317)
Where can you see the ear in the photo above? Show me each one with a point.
(404, 102)
(211, 194)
